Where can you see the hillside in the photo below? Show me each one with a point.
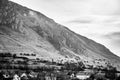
(25, 31)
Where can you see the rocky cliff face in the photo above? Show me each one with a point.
(25, 31)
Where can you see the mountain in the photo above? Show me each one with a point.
(29, 33)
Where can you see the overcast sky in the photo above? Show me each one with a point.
(96, 19)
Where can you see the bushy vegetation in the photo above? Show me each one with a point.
(63, 71)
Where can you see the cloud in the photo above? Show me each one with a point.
(80, 21)
(114, 36)
(105, 7)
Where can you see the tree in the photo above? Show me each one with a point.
(111, 73)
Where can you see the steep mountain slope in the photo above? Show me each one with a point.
(25, 31)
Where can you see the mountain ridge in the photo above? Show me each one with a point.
(23, 30)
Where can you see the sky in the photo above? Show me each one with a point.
(96, 19)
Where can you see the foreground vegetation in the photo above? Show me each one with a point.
(10, 63)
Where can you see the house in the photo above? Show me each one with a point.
(82, 76)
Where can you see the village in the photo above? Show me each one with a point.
(13, 67)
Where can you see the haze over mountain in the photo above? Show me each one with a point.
(23, 30)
